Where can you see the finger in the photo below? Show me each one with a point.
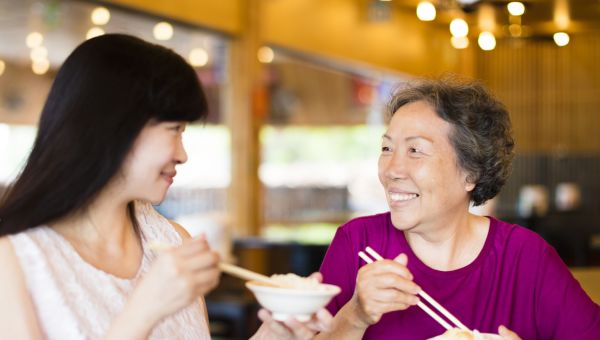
(321, 321)
(507, 334)
(387, 266)
(202, 261)
(402, 259)
(394, 296)
(299, 330)
(391, 280)
(275, 328)
(192, 247)
(317, 275)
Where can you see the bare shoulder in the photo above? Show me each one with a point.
(9, 263)
(180, 230)
(17, 313)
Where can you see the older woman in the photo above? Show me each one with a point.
(449, 144)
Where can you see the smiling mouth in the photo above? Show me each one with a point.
(396, 197)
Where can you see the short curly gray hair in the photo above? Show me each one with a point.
(481, 129)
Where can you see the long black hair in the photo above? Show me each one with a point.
(106, 91)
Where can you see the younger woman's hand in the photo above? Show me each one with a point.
(177, 277)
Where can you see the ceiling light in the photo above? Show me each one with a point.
(163, 31)
(265, 55)
(40, 66)
(561, 39)
(516, 8)
(426, 11)
(486, 41)
(34, 39)
(100, 16)
(198, 57)
(459, 28)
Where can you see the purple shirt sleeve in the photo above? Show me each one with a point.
(564, 310)
(339, 268)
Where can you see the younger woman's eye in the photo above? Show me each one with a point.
(385, 148)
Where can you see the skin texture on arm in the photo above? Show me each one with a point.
(177, 277)
(186, 236)
(18, 318)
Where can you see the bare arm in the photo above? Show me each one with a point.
(346, 323)
(186, 236)
(177, 277)
(18, 318)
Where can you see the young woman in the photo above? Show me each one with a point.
(76, 225)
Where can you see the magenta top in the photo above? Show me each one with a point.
(518, 280)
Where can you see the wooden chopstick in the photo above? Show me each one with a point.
(228, 268)
(424, 295)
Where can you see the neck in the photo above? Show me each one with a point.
(105, 223)
(451, 244)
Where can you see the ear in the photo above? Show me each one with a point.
(469, 185)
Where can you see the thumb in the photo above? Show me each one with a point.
(505, 333)
(402, 259)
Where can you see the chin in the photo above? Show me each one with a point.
(403, 223)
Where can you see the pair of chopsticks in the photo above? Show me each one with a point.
(424, 295)
(228, 268)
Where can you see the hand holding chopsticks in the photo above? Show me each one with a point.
(230, 269)
(425, 296)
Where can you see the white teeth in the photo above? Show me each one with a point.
(402, 197)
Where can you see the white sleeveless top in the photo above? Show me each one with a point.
(75, 300)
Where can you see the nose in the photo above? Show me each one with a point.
(396, 167)
(180, 154)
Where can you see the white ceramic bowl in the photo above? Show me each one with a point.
(478, 336)
(289, 302)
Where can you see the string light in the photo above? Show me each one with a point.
(163, 31)
(265, 54)
(426, 11)
(40, 66)
(100, 16)
(561, 39)
(459, 28)
(34, 39)
(486, 41)
(198, 57)
(516, 8)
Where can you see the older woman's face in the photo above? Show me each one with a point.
(418, 170)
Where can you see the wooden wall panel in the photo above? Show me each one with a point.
(552, 93)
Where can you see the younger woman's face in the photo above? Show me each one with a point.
(149, 169)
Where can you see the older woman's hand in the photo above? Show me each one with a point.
(507, 334)
(292, 329)
(382, 287)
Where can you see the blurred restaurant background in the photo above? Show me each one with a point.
(297, 90)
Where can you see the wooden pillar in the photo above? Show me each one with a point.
(244, 118)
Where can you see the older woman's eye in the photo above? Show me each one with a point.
(414, 150)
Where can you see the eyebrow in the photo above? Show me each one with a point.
(385, 136)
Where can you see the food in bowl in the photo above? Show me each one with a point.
(298, 282)
(460, 334)
(297, 297)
